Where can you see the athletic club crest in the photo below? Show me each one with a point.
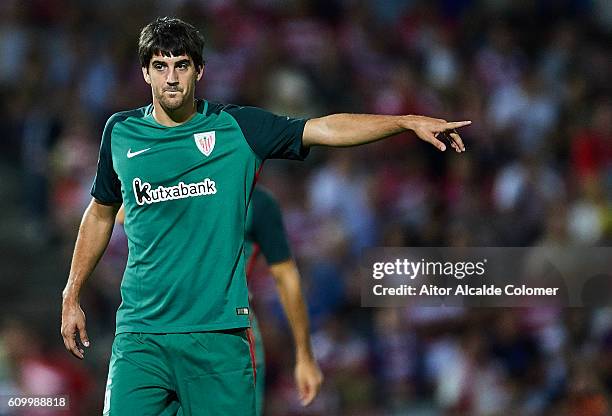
(205, 142)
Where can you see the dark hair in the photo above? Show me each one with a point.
(170, 37)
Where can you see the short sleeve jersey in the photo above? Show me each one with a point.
(185, 191)
(265, 232)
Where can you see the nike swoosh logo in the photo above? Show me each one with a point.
(131, 154)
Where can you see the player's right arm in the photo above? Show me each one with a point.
(94, 234)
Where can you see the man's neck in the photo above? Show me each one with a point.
(174, 118)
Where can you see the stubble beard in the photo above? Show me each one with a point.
(171, 104)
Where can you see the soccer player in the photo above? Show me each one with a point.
(184, 170)
(265, 234)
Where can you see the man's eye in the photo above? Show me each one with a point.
(158, 66)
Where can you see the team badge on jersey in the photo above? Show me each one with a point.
(205, 142)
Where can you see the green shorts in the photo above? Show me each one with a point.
(203, 373)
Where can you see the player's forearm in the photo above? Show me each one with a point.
(353, 129)
(287, 278)
(94, 234)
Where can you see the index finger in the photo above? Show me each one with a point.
(71, 345)
(456, 124)
(76, 350)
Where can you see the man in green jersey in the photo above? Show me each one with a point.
(184, 169)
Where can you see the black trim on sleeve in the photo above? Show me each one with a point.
(269, 135)
(106, 187)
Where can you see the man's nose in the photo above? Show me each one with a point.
(172, 78)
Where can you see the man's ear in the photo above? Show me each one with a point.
(200, 73)
(146, 76)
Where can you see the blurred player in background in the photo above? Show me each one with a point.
(184, 170)
(266, 234)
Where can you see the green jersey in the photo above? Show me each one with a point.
(185, 191)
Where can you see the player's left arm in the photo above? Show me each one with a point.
(308, 376)
(340, 130)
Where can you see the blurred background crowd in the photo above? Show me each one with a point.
(533, 76)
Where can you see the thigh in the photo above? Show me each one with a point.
(138, 381)
(214, 373)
